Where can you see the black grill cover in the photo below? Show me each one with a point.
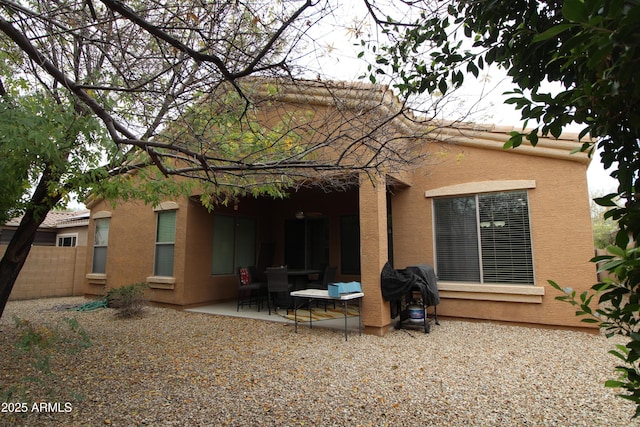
(398, 283)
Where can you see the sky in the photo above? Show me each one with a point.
(336, 58)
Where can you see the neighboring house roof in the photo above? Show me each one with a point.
(57, 219)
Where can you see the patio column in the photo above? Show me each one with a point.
(374, 253)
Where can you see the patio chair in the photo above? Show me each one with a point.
(278, 286)
(249, 290)
(328, 276)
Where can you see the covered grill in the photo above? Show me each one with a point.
(399, 286)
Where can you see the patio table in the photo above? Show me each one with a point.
(300, 277)
(308, 295)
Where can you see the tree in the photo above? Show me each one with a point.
(46, 144)
(177, 87)
(604, 229)
(591, 50)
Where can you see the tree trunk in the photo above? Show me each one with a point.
(20, 245)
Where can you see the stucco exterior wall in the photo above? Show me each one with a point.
(131, 247)
(560, 226)
(559, 216)
(131, 250)
(466, 156)
(374, 249)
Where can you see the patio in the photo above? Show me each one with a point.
(228, 309)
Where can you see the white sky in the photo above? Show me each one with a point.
(336, 59)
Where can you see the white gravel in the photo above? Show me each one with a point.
(176, 368)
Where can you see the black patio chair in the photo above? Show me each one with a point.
(249, 290)
(279, 288)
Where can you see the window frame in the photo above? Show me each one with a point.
(526, 245)
(73, 236)
(164, 270)
(102, 247)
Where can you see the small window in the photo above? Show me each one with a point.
(67, 240)
(165, 243)
(100, 243)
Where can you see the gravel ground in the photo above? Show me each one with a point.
(175, 368)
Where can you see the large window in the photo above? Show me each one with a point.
(100, 242)
(234, 243)
(484, 238)
(165, 243)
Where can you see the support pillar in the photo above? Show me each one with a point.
(376, 315)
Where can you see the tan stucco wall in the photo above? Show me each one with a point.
(131, 249)
(559, 217)
(50, 271)
(130, 252)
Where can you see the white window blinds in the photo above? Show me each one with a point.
(484, 238)
(100, 242)
(165, 243)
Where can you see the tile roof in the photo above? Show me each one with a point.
(54, 218)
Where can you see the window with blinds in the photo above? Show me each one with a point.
(100, 242)
(165, 243)
(484, 238)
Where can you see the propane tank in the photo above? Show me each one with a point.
(415, 312)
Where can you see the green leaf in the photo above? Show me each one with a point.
(605, 201)
(617, 251)
(574, 10)
(613, 384)
(442, 86)
(514, 141)
(552, 32)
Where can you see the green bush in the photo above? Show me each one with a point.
(129, 300)
(616, 311)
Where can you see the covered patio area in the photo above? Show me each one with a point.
(311, 229)
(228, 309)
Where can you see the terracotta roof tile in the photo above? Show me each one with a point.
(53, 218)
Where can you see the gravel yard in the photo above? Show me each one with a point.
(176, 368)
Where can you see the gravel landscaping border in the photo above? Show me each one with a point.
(179, 368)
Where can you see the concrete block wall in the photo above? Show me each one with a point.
(50, 272)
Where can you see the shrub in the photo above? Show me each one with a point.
(128, 300)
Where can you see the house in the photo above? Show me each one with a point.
(55, 266)
(59, 228)
(496, 224)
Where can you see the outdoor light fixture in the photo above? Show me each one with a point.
(299, 215)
